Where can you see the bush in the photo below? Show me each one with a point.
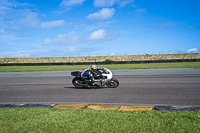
(108, 60)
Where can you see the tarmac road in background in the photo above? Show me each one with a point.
(139, 86)
(170, 71)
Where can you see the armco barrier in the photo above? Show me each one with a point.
(100, 63)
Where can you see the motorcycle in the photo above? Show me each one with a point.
(103, 77)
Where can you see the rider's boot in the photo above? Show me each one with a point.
(94, 82)
(89, 83)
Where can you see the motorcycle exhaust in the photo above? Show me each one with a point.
(79, 83)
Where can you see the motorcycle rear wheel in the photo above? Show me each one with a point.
(113, 83)
(77, 82)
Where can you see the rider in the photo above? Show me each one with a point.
(90, 72)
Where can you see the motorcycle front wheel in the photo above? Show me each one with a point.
(113, 83)
(78, 83)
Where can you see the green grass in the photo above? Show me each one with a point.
(65, 120)
(113, 66)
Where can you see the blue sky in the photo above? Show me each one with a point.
(55, 28)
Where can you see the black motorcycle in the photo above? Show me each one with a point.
(103, 77)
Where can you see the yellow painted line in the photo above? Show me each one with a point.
(103, 107)
(135, 107)
(70, 106)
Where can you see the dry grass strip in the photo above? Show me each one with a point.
(144, 57)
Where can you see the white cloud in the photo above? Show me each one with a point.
(100, 36)
(101, 24)
(102, 14)
(6, 6)
(164, 25)
(13, 54)
(17, 14)
(12, 28)
(70, 38)
(24, 53)
(30, 19)
(6, 38)
(104, 3)
(15, 17)
(73, 38)
(112, 54)
(193, 26)
(140, 11)
(52, 24)
(193, 50)
(110, 3)
(71, 2)
(74, 49)
(124, 3)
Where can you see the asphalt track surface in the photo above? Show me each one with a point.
(137, 87)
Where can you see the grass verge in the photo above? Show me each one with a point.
(65, 120)
(113, 66)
